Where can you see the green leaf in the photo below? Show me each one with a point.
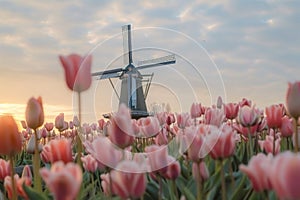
(32, 194)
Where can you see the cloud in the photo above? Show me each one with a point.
(254, 44)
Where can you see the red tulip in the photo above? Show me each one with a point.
(63, 180)
(126, 182)
(284, 175)
(257, 171)
(293, 99)
(77, 71)
(10, 138)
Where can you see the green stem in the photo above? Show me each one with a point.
(296, 135)
(223, 181)
(13, 183)
(199, 183)
(160, 187)
(274, 138)
(36, 165)
(175, 189)
(231, 175)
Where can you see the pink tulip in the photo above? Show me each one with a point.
(214, 116)
(76, 122)
(274, 113)
(173, 169)
(221, 142)
(245, 102)
(101, 124)
(105, 184)
(257, 171)
(61, 150)
(231, 110)
(158, 157)
(4, 169)
(63, 180)
(286, 128)
(161, 138)
(149, 126)
(127, 183)
(10, 138)
(26, 179)
(195, 142)
(46, 154)
(120, 130)
(183, 120)
(77, 71)
(170, 119)
(49, 126)
(248, 116)
(90, 164)
(59, 121)
(200, 171)
(268, 146)
(195, 110)
(284, 175)
(293, 99)
(162, 117)
(34, 113)
(98, 148)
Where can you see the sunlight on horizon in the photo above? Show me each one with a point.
(50, 111)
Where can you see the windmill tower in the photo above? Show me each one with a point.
(132, 93)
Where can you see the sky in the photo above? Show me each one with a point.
(228, 48)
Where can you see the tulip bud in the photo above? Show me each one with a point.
(293, 99)
(34, 113)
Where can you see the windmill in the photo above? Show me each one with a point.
(132, 93)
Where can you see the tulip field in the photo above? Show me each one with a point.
(229, 150)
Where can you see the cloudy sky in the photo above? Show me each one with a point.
(234, 49)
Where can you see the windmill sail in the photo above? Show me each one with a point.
(132, 93)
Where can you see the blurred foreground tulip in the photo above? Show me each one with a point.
(10, 138)
(284, 175)
(63, 180)
(77, 71)
(293, 99)
(120, 130)
(257, 171)
(127, 182)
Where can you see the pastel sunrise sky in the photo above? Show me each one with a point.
(229, 48)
